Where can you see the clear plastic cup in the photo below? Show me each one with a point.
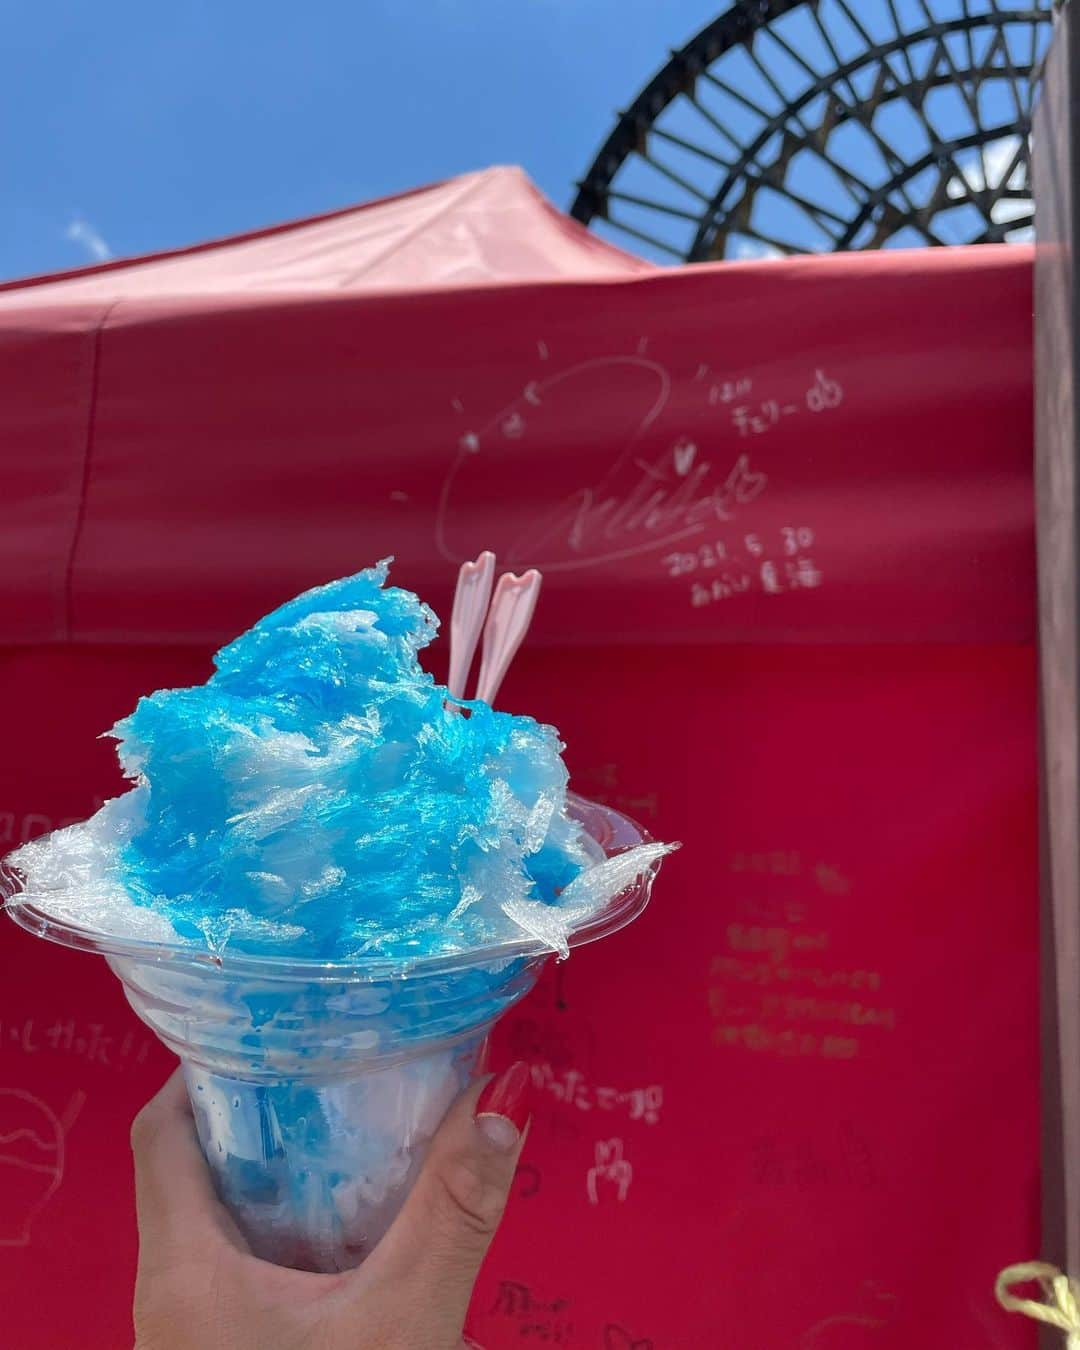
(316, 1086)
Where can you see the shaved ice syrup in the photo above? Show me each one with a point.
(321, 892)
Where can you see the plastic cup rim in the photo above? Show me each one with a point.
(26, 909)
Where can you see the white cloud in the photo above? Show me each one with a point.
(1009, 208)
(82, 232)
(997, 156)
(745, 249)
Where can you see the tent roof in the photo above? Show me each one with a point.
(482, 228)
(188, 439)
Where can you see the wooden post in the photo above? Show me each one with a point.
(1055, 149)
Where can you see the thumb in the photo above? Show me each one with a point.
(439, 1240)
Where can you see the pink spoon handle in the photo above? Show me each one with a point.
(471, 599)
(508, 621)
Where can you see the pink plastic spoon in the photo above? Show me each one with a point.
(471, 599)
(507, 623)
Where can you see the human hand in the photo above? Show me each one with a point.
(199, 1287)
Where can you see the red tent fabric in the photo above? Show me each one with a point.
(785, 515)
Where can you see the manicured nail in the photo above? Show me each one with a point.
(502, 1111)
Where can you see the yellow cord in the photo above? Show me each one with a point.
(1062, 1306)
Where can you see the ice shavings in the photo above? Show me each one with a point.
(322, 797)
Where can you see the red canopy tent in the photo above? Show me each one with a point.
(784, 511)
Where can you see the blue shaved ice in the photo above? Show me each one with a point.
(322, 797)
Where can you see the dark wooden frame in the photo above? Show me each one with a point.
(1056, 178)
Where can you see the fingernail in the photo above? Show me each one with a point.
(502, 1111)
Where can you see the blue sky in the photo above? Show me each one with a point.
(149, 126)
